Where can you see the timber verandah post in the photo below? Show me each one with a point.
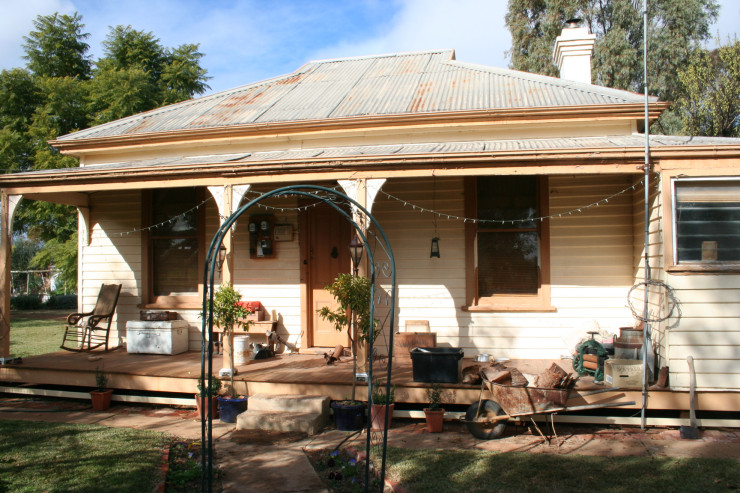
(8, 204)
(5, 251)
(310, 191)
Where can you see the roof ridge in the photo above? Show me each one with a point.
(381, 55)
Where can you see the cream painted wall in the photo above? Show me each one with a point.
(591, 263)
(113, 256)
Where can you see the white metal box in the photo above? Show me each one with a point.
(162, 337)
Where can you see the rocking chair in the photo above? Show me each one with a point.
(93, 332)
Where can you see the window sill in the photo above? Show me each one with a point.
(704, 269)
(508, 309)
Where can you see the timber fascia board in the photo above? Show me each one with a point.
(366, 124)
(574, 160)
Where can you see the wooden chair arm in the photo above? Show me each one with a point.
(73, 318)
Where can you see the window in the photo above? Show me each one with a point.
(174, 246)
(509, 245)
(706, 217)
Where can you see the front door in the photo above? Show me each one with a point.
(329, 234)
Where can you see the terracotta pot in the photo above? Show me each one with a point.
(100, 399)
(377, 415)
(214, 406)
(435, 420)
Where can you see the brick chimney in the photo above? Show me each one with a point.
(572, 52)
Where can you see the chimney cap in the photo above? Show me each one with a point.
(574, 22)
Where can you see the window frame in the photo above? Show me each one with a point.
(539, 302)
(149, 300)
(688, 266)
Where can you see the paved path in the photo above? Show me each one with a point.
(265, 463)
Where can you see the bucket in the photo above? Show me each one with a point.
(241, 350)
(627, 350)
(630, 335)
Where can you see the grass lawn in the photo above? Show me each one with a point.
(36, 332)
(58, 457)
(471, 471)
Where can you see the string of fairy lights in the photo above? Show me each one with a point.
(406, 203)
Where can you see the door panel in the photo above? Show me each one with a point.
(329, 237)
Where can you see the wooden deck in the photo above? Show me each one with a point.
(298, 374)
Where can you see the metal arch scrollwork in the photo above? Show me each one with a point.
(336, 200)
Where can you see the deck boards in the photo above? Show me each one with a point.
(293, 374)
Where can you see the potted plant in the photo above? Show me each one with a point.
(381, 402)
(353, 294)
(204, 395)
(434, 414)
(101, 396)
(229, 313)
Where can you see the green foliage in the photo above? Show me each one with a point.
(26, 302)
(101, 379)
(434, 396)
(23, 251)
(710, 91)
(675, 30)
(62, 302)
(379, 395)
(57, 47)
(354, 295)
(227, 311)
(215, 386)
(61, 91)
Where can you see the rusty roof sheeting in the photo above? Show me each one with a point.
(403, 83)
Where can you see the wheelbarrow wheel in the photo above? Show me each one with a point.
(479, 424)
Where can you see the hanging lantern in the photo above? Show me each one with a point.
(435, 248)
(221, 257)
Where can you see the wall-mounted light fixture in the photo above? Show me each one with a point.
(355, 250)
(221, 257)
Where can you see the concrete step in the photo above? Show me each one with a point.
(310, 423)
(317, 404)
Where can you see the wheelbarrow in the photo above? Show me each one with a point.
(486, 419)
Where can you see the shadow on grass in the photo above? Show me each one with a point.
(473, 471)
(39, 456)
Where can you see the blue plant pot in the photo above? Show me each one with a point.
(229, 408)
(348, 417)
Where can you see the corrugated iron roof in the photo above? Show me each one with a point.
(394, 84)
(427, 149)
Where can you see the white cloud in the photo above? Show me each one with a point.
(474, 28)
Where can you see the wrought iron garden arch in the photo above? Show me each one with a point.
(328, 196)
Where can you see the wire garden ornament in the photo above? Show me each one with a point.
(667, 308)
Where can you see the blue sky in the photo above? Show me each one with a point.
(250, 40)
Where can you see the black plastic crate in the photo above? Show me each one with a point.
(437, 364)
